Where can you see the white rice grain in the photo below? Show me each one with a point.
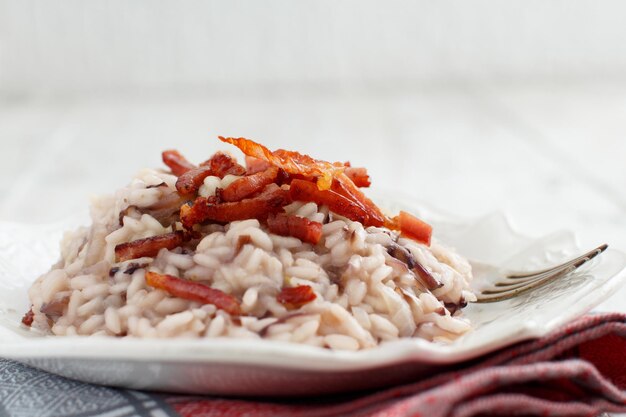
(356, 290)
(90, 325)
(83, 281)
(98, 290)
(383, 328)
(341, 342)
(305, 331)
(112, 320)
(56, 282)
(174, 323)
(90, 307)
(217, 327)
(250, 297)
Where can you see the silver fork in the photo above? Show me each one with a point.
(514, 284)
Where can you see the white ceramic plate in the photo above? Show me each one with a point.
(244, 367)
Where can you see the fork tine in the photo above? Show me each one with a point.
(490, 296)
(585, 257)
(501, 289)
(505, 290)
(519, 280)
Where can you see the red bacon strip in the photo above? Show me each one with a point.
(191, 181)
(249, 185)
(149, 246)
(359, 176)
(254, 165)
(222, 164)
(344, 186)
(326, 174)
(296, 297)
(300, 227)
(414, 228)
(219, 165)
(176, 162)
(271, 200)
(337, 186)
(302, 190)
(194, 291)
(290, 161)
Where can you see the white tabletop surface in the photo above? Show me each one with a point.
(551, 156)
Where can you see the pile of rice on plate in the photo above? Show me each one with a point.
(286, 248)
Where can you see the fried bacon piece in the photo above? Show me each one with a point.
(296, 297)
(194, 291)
(327, 174)
(291, 162)
(271, 200)
(254, 165)
(413, 228)
(300, 227)
(191, 181)
(302, 190)
(404, 255)
(344, 186)
(149, 246)
(337, 186)
(359, 176)
(28, 318)
(219, 165)
(176, 162)
(249, 185)
(222, 164)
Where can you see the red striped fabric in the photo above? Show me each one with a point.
(578, 370)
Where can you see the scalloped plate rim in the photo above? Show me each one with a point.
(290, 355)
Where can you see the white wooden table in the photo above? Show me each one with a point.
(551, 156)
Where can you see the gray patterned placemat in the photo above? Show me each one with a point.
(29, 392)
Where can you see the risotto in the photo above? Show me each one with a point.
(285, 247)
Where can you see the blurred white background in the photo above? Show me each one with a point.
(75, 47)
(472, 107)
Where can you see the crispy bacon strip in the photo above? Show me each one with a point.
(296, 297)
(302, 190)
(219, 165)
(344, 186)
(290, 161)
(254, 165)
(271, 200)
(194, 291)
(249, 185)
(28, 318)
(149, 246)
(222, 164)
(300, 227)
(327, 174)
(359, 176)
(414, 228)
(176, 162)
(191, 181)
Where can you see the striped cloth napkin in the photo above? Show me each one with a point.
(578, 370)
